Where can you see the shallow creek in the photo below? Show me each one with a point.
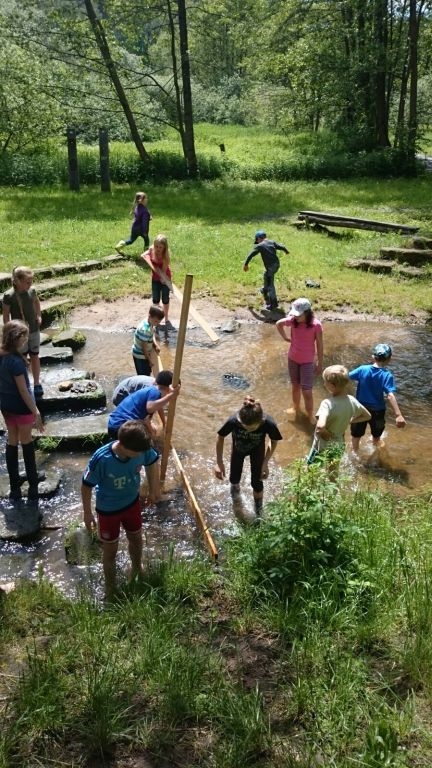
(257, 353)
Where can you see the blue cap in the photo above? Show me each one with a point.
(259, 233)
(382, 351)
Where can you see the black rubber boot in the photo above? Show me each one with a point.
(31, 471)
(12, 468)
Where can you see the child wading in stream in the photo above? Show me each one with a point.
(18, 408)
(249, 428)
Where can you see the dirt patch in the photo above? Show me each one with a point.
(124, 314)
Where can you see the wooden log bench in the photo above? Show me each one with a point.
(351, 222)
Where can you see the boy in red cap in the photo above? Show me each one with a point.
(267, 250)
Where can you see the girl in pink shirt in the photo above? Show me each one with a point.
(305, 355)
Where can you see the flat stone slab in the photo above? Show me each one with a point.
(415, 257)
(23, 519)
(70, 338)
(75, 432)
(49, 354)
(55, 375)
(71, 395)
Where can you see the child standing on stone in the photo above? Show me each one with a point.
(145, 349)
(18, 408)
(141, 222)
(21, 302)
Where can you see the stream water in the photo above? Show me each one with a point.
(257, 354)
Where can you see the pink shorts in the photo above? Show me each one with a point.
(129, 519)
(301, 373)
(18, 419)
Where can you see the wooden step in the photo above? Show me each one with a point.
(413, 256)
(41, 273)
(385, 267)
(422, 242)
(372, 265)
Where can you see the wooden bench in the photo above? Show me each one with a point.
(351, 222)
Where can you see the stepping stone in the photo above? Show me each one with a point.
(55, 375)
(75, 432)
(71, 395)
(23, 519)
(71, 338)
(235, 380)
(49, 354)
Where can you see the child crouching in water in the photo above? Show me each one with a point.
(249, 428)
(335, 413)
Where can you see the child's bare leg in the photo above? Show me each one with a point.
(355, 444)
(35, 369)
(308, 401)
(296, 394)
(135, 546)
(109, 552)
(165, 308)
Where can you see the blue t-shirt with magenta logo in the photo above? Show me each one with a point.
(116, 480)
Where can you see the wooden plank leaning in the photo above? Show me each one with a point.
(170, 422)
(179, 296)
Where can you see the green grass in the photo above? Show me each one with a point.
(210, 229)
(310, 645)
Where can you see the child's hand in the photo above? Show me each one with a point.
(39, 425)
(156, 348)
(400, 421)
(264, 470)
(89, 521)
(324, 433)
(219, 471)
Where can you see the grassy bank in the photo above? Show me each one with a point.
(210, 227)
(309, 645)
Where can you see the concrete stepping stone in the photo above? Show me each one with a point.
(71, 395)
(49, 354)
(23, 519)
(74, 432)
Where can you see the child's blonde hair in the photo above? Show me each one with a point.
(336, 375)
(19, 273)
(12, 333)
(163, 240)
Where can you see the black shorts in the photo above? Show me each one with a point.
(377, 424)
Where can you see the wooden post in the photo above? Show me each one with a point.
(181, 336)
(74, 183)
(104, 166)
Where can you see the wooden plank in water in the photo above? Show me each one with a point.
(179, 296)
(211, 546)
(351, 222)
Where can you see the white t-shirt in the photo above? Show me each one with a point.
(338, 410)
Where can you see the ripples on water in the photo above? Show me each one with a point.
(257, 355)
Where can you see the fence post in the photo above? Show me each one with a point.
(74, 183)
(105, 181)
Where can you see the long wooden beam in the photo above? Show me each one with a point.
(179, 296)
(211, 546)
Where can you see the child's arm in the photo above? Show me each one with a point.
(30, 403)
(400, 421)
(6, 313)
(364, 415)
(153, 479)
(37, 309)
(158, 405)
(219, 469)
(280, 327)
(321, 426)
(319, 348)
(88, 517)
(268, 454)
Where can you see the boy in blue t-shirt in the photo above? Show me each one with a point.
(375, 385)
(114, 471)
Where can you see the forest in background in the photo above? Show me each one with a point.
(357, 69)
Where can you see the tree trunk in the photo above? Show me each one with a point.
(413, 71)
(381, 40)
(105, 52)
(191, 158)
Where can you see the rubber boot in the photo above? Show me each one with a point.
(31, 471)
(12, 468)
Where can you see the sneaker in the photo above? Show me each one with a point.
(119, 246)
(38, 390)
